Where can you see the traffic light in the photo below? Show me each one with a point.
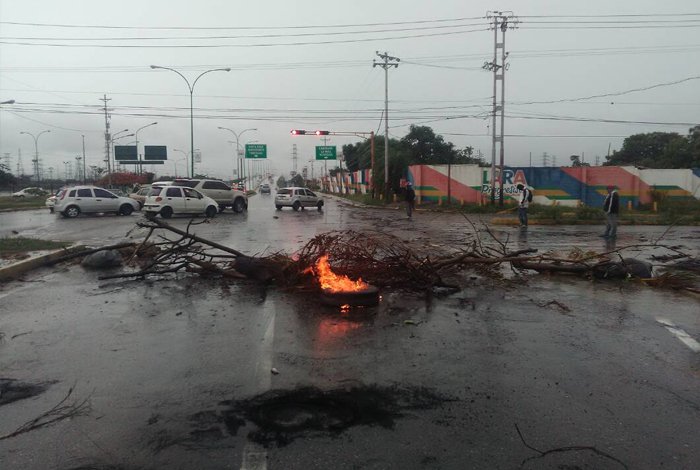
(321, 132)
(298, 132)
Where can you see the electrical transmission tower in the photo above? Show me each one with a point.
(294, 159)
(20, 165)
(502, 20)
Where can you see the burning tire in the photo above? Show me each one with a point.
(367, 297)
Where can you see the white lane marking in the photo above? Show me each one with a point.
(684, 337)
(255, 455)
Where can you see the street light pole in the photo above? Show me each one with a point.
(136, 134)
(191, 88)
(240, 166)
(36, 151)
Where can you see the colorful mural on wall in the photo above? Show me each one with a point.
(570, 186)
(556, 185)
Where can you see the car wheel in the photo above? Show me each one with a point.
(320, 206)
(279, 208)
(72, 211)
(166, 212)
(239, 205)
(126, 209)
(296, 206)
(51, 210)
(211, 212)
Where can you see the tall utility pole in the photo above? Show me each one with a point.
(386, 65)
(108, 138)
(502, 20)
(84, 173)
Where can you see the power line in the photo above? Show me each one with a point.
(619, 93)
(249, 36)
(200, 46)
(325, 26)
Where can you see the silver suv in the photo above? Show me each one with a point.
(297, 198)
(222, 193)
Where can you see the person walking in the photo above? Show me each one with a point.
(523, 203)
(410, 198)
(611, 206)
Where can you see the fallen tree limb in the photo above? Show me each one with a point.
(83, 253)
(185, 234)
(57, 413)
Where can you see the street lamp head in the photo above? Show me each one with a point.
(154, 67)
(8, 102)
(227, 69)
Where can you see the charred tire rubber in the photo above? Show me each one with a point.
(166, 212)
(296, 206)
(211, 212)
(126, 209)
(239, 205)
(279, 208)
(150, 215)
(71, 212)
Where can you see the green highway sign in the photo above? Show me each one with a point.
(125, 152)
(326, 152)
(255, 150)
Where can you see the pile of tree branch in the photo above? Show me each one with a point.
(377, 257)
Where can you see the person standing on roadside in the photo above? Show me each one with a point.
(410, 198)
(611, 206)
(523, 203)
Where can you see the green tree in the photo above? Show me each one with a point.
(281, 182)
(297, 180)
(659, 150)
(6, 178)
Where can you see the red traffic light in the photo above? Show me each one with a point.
(321, 132)
(298, 132)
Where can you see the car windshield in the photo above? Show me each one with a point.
(155, 191)
(284, 191)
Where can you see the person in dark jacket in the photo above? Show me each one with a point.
(410, 198)
(523, 203)
(611, 206)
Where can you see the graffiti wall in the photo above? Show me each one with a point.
(471, 184)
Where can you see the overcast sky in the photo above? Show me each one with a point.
(308, 65)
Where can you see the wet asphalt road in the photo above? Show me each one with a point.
(179, 372)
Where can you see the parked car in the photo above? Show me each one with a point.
(140, 195)
(222, 193)
(29, 192)
(265, 188)
(73, 201)
(175, 200)
(51, 200)
(297, 198)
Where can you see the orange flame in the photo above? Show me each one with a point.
(333, 282)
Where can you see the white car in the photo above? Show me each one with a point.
(29, 192)
(73, 201)
(174, 200)
(297, 198)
